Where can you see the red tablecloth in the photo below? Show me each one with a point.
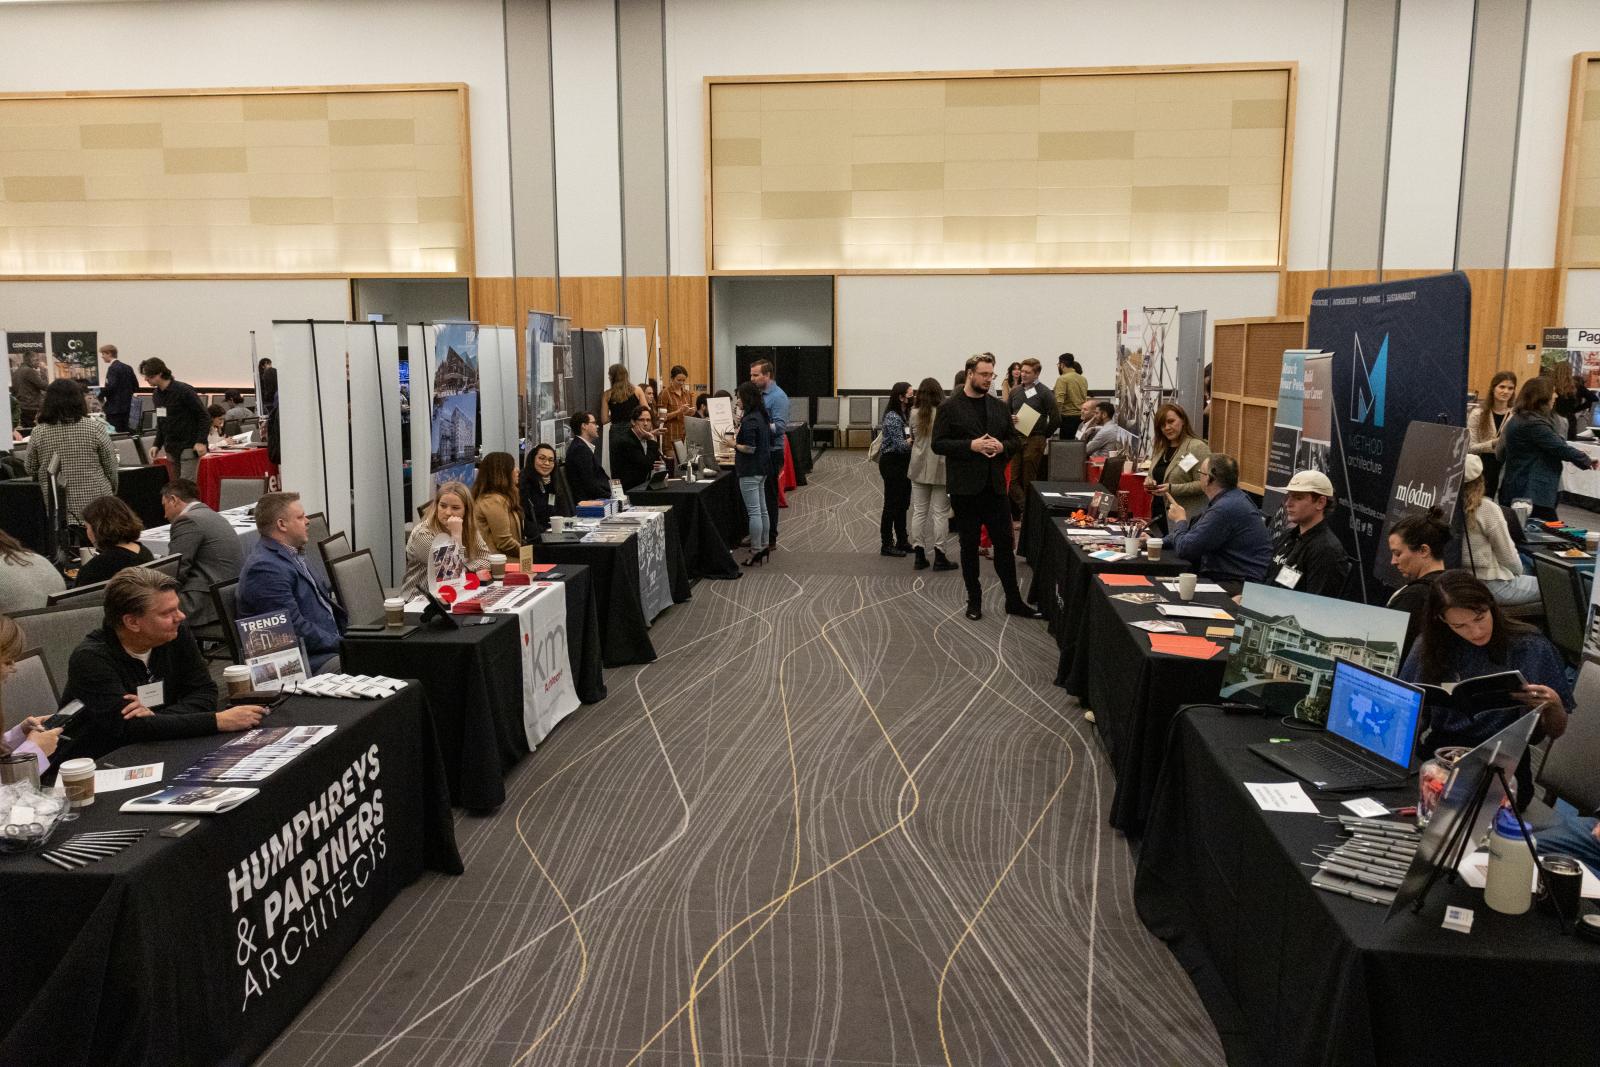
(1132, 484)
(215, 466)
(786, 480)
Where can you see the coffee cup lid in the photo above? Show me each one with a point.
(496, 557)
(75, 768)
(394, 602)
(236, 670)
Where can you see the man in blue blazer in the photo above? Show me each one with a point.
(275, 578)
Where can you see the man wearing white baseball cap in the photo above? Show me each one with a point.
(1308, 556)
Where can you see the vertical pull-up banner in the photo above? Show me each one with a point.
(1399, 356)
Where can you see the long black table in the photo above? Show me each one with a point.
(473, 680)
(707, 519)
(614, 570)
(1294, 975)
(1135, 692)
(799, 436)
(202, 948)
(583, 631)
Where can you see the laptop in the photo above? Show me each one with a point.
(1372, 733)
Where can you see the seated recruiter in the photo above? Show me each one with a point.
(498, 503)
(140, 676)
(636, 452)
(215, 435)
(586, 476)
(1308, 556)
(207, 544)
(28, 737)
(275, 578)
(1467, 635)
(1573, 835)
(445, 543)
(1228, 542)
(236, 411)
(1100, 432)
(543, 494)
(114, 530)
(1416, 548)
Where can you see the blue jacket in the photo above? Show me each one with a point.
(1228, 541)
(777, 403)
(1534, 453)
(275, 578)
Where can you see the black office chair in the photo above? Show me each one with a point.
(225, 596)
(358, 587)
(1565, 610)
(30, 689)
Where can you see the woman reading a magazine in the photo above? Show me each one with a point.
(1466, 636)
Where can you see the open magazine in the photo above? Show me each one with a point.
(272, 650)
(192, 799)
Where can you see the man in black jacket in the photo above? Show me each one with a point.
(1307, 555)
(141, 676)
(182, 422)
(116, 396)
(636, 453)
(586, 478)
(974, 433)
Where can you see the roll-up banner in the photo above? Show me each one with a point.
(1399, 356)
(75, 355)
(453, 422)
(552, 379)
(497, 395)
(1428, 476)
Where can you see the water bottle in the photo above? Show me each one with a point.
(1508, 885)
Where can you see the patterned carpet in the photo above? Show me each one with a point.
(834, 823)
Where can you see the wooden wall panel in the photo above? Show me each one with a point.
(593, 302)
(690, 339)
(494, 301)
(1509, 309)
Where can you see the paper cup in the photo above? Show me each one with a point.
(237, 678)
(497, 566)
(1130, 545)
(1591, 540)
(1153, 547)
(1524, 510)
(1186, 584)
(558, 524)
(394, 612)
(77, 778)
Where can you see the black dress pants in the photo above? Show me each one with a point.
(770, 488)
(893, 466)
(973, 513)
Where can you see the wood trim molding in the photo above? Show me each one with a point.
(255, 90)
(1020, 72)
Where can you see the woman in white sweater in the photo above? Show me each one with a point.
(1490, 553)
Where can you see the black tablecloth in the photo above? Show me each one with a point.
(614, 570)
(1036, 513)
(162, 953)
(1135, 692)
(22, 513)
(1062, 582)
(1292, 974)
(473, 679)
(583, 631)
(800, 450)
(140, 489)
(707, 519)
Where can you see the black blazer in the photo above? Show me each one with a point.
(541, 500)
(117, 395)
(585, 476)
(631, 460)
(960, 421)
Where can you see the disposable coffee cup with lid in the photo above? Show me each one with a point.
(1153, 547)
(237, 679)
(394, 611)
(497, 565)
(77, 777)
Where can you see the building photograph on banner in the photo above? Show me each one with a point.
(1130, 374)
(1399, 356)
(551, 379)
(75, 355)
(455, 403)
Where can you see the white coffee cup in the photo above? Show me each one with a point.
(1186, 583)
(1130, 545)
(77, 777)
(558, 524)
(497, 566)
(394, 611)
(1591, 540)
(236, 677)
(1153, 547)
(1524, 510)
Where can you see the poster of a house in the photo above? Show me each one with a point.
(1285, 645)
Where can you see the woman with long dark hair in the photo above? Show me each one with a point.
(1487, 420)
(497, 504)
(88, 466)
(930, 502)
(1533, 451)
(1175, 466)
(1466, 635)
(113, 529)
(752, 461)
(894, 464)
(543, 493)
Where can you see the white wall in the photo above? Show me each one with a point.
(583, 65)
(907, 327)
(208, 43)
(201, 328)
(711, 37)
(1557, 30)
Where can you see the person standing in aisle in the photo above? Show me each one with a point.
(676, 402)
(182, 424)
(29, 386)
(267, 403)
(930, 504)
(1025, 465)
(1072, 390)
(894, 463)
(116, 396)
(80, 448)
(777, 404)
(752, 462)
(973, 432)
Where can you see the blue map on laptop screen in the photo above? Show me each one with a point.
(1374, 711)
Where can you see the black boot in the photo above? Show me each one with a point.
(941, 562)
(922, 560)
(889, 550)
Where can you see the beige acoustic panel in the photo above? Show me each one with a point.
(1227, 357)
(1059, 171)
(294, 182)
(1583, 241)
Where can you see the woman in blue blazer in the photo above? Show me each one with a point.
(1534, 451)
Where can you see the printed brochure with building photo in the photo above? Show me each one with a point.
(272, 650)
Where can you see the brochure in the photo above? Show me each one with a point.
(254, 755)
(272, 650)
(193, 799)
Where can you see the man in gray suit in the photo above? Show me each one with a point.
(208, 544)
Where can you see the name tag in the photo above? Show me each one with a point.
(1188, 463)
(550, 500)
(1288, 576)
(152, 694)
(161, 413)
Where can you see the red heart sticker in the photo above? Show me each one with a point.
(471, 580)
(447, 593)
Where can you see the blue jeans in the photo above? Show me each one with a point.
(1574, 836)
(753, 488)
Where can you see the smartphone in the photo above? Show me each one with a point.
(62, 717)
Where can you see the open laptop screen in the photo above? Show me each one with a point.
(1375, 711)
